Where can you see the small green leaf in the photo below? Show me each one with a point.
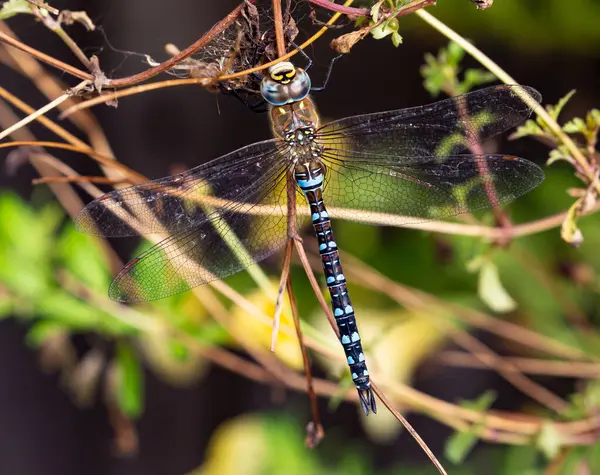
(41, 331)
(461, 443)
(549, 441)
(594, 118)
(84, 257)
(454, 53)
(491, 291)
(558, 154)
(529, 128)
(555, 110)
(14, 7)
(375, 10)
(569, 230)
(68, 310)
(574, 126)
(129, 381)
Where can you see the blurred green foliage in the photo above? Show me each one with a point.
(544, 26)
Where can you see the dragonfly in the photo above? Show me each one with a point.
(412, 165)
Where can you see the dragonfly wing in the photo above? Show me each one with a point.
(224, 243)
(425, 188)
(178, 202)
(449, 127)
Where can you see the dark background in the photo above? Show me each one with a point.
(41, 430)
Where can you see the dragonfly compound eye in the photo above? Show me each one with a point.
(285, 84)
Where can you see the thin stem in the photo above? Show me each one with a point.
(67, 68)
(343, 9)
(565, 369)
(131, 175)
(287, 260)
(49, 124)
(315, 285)
(316, 434)
(510, 372)
(41, 111)
(410, 429)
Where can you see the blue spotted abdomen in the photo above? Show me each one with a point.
(310, 182)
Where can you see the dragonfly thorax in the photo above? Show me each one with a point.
(285, 84)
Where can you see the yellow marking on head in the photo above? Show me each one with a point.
(283, 72)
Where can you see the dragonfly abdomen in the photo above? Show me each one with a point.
(310, 180)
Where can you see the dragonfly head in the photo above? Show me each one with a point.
(285, 84)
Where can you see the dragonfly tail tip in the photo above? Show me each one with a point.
(367, 400)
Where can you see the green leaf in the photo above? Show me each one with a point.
(84, 257)
(558, 154)
(41, 331)
(593, 118)
(569, 230)
(529, 128)
(474, 78)
(14, 7)
(375, 10)
(576, 125)
(68, 310)
(555, 110)
(491, 291)
(129, 381)
(549, 441)
(453, 54)
(460, 444)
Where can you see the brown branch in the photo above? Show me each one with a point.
(410, 429)
(565, 369)
(334, 7)
(278, 23)
(191, 49)
(67, 68)
(316, 432)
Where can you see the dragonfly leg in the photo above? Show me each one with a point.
(324, 85)
(310, 63)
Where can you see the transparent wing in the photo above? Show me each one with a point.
(426, 188)
(180, 201)
(418, 162)
(223, 243)
(449, 127)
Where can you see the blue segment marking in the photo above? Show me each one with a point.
(345, 339)
(354, 376)
(355, 337)
(338, 312)
(315, 216)
(361, 357)
(324, 214)
(350, 360)
(311, 182)
(322, 247)
(340, 277)
(330, 280)
(348, 309)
